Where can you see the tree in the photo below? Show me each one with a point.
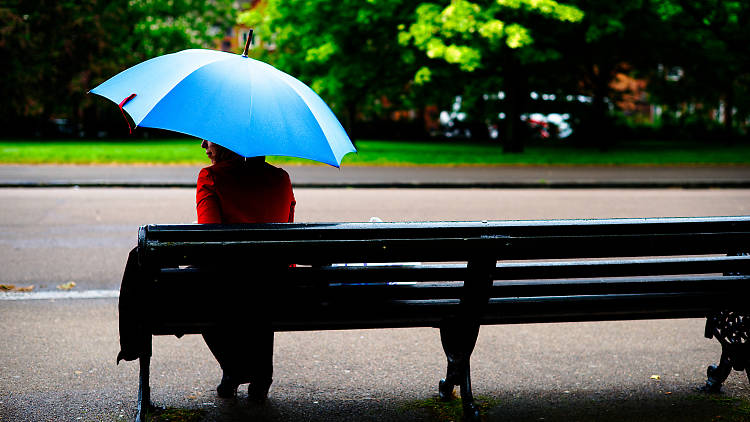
(166, 26)
(49, 52)
(347, 51)
(53, 52)
(713, 49)
(490, 40)
(613, 37)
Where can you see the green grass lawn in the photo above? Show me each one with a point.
(382, 153)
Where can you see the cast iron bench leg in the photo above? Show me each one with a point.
(459, 333)
(732, 330)
(718, 374)
(458, 342)
(144, 391)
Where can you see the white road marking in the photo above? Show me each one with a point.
(84, 294)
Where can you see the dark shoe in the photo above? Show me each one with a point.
(258, 393)
(228, 387)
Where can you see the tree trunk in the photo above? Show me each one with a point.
(729, 105)
(349, 120)
(600, 131)
(516, 92)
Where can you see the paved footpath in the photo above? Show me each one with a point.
(57, 354)
(397, 177)
(58, 364)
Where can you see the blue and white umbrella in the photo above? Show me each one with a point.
(240, 103)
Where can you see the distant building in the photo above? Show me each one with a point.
(235, 37)
(633, 97)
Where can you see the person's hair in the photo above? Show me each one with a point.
(223, 154)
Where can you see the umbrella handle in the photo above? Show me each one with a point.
(122, 104)
(247, 43)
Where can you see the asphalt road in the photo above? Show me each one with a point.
(703, 176)
(50, 236)
(57, 356)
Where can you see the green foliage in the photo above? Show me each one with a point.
(451, 410)
(710, 43)
(347, 51)
(166, 26)
(50, 51)
(482, 47)
(174, 414)
(53, 52)
(734, 409)
(461, 32)
(368, 58)
(423, 75)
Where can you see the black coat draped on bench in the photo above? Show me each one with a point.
(455, 276)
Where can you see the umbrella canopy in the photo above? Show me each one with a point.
(240, 103)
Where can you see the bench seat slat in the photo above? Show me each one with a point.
(518, 301)
(503, 271)
(428, 313)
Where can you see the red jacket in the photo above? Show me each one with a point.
(236, 191)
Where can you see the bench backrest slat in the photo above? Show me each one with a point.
(317, 244)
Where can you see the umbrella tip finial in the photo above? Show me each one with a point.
(248, 42)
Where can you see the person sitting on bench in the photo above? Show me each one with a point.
(233, 189)
(242, 190)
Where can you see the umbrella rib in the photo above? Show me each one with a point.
(172, 87)
(287, 80)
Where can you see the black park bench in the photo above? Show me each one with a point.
(455, 276)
